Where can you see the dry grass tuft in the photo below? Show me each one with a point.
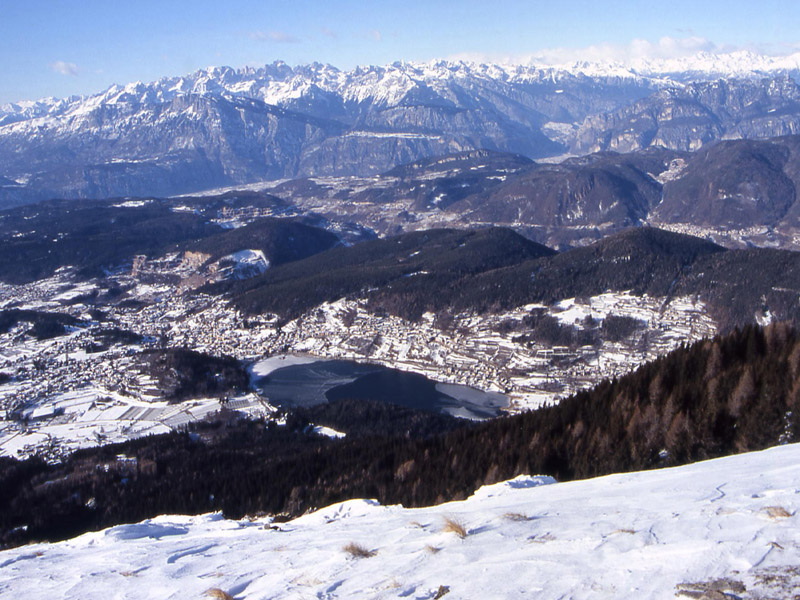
(218, 594)
(394, 584)
(541, 539)
(432, 549)
(628, 531)
(443, 590)
(515, 516)
(777, 512)
(712, 589)
(452, 525)
(358, 551)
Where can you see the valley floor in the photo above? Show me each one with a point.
(728, 526)
(63, 397)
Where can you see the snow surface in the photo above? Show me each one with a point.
(266, 366)
(328, 431)
(248, 263)
(94, 415)
(634, 535)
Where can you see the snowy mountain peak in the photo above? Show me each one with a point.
(280, 121)
(278, 81)
(701, 66)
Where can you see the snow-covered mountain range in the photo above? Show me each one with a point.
(221, 126)
(701, 66)
(279, 83)
(726, 528)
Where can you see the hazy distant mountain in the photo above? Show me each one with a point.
(688, 117)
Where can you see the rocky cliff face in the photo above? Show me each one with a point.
(221, 126)
(687, 118)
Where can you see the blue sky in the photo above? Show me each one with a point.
(63, 47)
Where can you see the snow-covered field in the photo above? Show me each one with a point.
(730, 524)
(94, 416)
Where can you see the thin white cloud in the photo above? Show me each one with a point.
(480, 57)
(376, 35)
(65, 68)
(280, 37)
(637, 50)
(329, 33)
(665, 48)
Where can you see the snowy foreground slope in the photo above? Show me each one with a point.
(729, 524)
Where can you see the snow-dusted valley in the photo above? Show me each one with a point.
(249, 268)
(67, 394)
(726, 528)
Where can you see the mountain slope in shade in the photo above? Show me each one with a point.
(737, 184)
(739, 192)
(97, 236)
(403, 271)
(281, 241)
(495, 269)
(603, 190)
(688, 117)
(729, 525)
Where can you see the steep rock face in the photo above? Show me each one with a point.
(366, 153)
(686, 118)
(129, 147)
(221, 127)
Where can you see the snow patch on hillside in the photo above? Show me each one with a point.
(730, 524)
(245, 264)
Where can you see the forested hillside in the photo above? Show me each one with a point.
(495, 269)
(732, 394)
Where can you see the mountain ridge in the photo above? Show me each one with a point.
(221, 126)
(703, 65)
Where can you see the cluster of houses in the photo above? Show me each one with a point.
(473, 350)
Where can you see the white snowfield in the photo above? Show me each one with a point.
(729, 525)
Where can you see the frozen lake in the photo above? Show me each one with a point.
(290, 381)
